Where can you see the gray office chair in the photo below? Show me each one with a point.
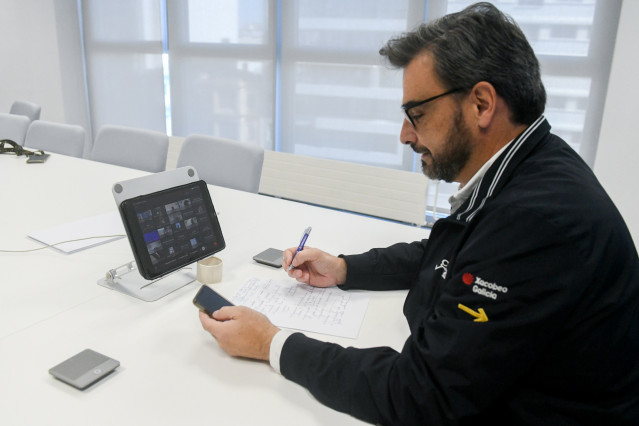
(13, 127)
(26, 108)
(67, 139)
(223, 162)
(130, 147)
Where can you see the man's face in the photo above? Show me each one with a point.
(439, 132)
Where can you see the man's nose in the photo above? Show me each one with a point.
(407, 134)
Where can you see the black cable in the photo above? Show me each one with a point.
(7, 146)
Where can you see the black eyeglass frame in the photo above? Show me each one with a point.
(410, 105)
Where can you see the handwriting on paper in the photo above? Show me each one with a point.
(299, 306)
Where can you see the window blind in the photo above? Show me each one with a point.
(305, 77)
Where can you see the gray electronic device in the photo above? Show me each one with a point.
(271, 257)
(37, 158)
(84, 369)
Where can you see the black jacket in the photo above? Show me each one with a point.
(539, 248)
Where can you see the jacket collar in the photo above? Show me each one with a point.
(502, 168)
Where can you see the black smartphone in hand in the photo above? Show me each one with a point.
(209, 301)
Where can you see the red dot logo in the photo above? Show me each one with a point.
(468, 278)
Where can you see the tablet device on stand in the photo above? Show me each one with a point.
(170, 223)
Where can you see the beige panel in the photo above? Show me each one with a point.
(376, 191)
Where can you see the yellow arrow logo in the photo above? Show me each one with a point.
(479, 316)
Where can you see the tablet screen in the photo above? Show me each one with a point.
(172, 228)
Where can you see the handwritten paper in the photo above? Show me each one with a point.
(290, 304)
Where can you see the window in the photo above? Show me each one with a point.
(222, 68)
(123, 50)
(573, 40)
(305, 77)
(339, 100)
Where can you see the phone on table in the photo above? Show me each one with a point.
(271, 257)
(209, 301)
(37, 158)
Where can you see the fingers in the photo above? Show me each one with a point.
(288, 256)
(213, 323)
(241, 331)
(208, 323)
(204, 318)
(303, 256)
(299, 272)
(225, 313)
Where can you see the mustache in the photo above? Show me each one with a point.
(420, 149)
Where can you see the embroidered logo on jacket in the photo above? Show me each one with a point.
(483, 287)
(444, 266)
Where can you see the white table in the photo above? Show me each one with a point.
(172, 371)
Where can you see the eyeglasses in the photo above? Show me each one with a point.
(410, 105)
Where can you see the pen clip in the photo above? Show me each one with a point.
(307, 231)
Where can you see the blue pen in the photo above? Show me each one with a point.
(301, 246)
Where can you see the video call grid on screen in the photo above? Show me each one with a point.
(175, 226)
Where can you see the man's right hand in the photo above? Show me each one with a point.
(315, 267)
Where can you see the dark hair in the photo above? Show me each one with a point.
(480, 43)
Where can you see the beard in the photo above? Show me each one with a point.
(448, 164)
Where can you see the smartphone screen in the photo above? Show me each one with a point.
(209, 301)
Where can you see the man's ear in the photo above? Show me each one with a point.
(484, 103)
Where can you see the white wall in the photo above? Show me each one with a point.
(41, 59)
(30, 59)
(616, 164)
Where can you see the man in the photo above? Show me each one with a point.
(523, 305)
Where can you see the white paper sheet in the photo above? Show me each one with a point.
(290, 304)
(103, 224)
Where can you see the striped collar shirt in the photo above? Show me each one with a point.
(463, 193)
(470, 199)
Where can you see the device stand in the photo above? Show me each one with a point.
(126, 279)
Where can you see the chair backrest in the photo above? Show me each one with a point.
(13, 127)
(67, 139)
(223, 162)
(376, 191)
(130, 147)
(26, 108)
